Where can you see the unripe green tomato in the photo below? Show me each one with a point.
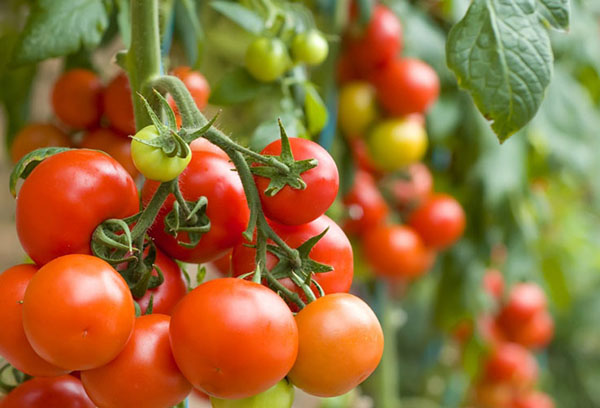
(267, 59)
(281, 395)
(152, 162)
(310, 47)
(357, 108)
(396, 143)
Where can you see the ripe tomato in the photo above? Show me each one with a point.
(281, 395)
(267, 59)
(416, 81)
(34, 136)
(510, 363)
(440, 221)
(310, 47)
(109, 141)
(42, 392)
(366, 206)
(203, 145)
(524, 301)
(340, 345)
(211, 176)
(409, 193)
(396, 251)
(357, 108)
(493, 283)
(395, 143)
(94, 188)
(293, 206)
(152, 377)
(223, 264)
(534, 333)
(534, 399)
(233, 338)
(172, 290)
(78, 312)
(378, 44)
(196, 83)
(14, 346)
(77, 98)
(118, 105)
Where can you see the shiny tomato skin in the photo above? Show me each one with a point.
(406, 86)
(409, 194)
(533, 333)
(211, 176)
(233, 338)
(153, 378)
(512, 364)
(293, 206)
(440, 221)
(167, 294)
(49, 224)
(78, 312)
(77, 98)
(14, 346)
(534, 399)
(118, 105)
(366, 206)
(195, 82)
(35, 136)
(397, 252)
(340, 345)
(525, 300)
(43, 392)
(203, 145)
(112, 143)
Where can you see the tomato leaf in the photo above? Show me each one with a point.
(124, 21)
(235, 87)
(555, 12)
(61, 27)
(316, 111)
(242, 16)
(190, 31)
(29, 162)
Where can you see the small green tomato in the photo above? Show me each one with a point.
(310, 47)
(267, 59)
(281, 395)
(152, 162)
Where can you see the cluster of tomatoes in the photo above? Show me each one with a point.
(520, 326)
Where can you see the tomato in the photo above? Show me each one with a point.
(510, 363)
(77, 98)
(109, 141)
(379, 43)
(203, 145)
(361, 157)
(267, 59)
(440, 221)
(35, 136)
(534, 399)
(493, 283)
(409, 193)
(153, 162)
(395, 143)
(292, 206)
(357, 108)
(94, 188)
(144, 374)
(233, 338)
(345, 69)
(118, 105)
(78, 312)
(281, 395)
(167, 294)
(534, 333)
(416, 81)
(196, 83)
(310, 47)
(58, 392)
(14, 346)
(524, 301)
(489, 330)
(366, 206)
(396, 251)
(211, 176)
(340, 345)
(492, 395)
(223, 264)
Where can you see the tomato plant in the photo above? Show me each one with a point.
(396, 143)
(267, 59)
(109, 141)
(118, 106)
(357, 108)
(77, 98)
(440, 221)
(48, 392)
(35, 136)
(511, 364)
(280, 395)
(366, 206)
(310, 47)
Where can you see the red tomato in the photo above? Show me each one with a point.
(440, 221)
(50, 224)
(409, 193)
(233, 338)
(366, 206)
(211, 176)
(168, 293)
(493, 283)
(340, 345)
(360, 154)
(77, 98)
(416, 82)
(78, 312)
(35, 136)
(223, 264)
(14, 346)
(144, 374)
(396, 251)
(333, 249)
(378, 44)
(118, 105)
(534, 333)
(203, 145)
(510, 363)
(109, 141)
(534, 399)
(293, 206)
(196, 83)
(524, 301)
(58, 392)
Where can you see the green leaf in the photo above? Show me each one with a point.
(29, 162)
(190, 31)
(124, 21)
(235, 87)
(61, 27)
(242, 16)
(500, 52)
(268, 131)
(316, 111)
(555, 12)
